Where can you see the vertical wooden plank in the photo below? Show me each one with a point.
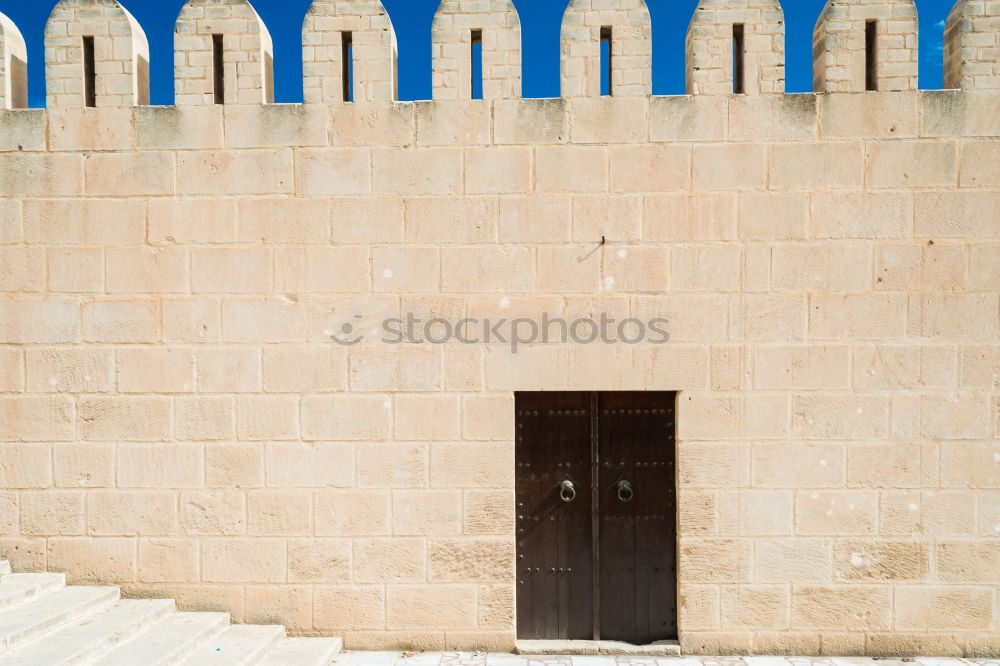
(554, 585)
(637, 537)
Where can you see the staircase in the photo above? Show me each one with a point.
(45, 623)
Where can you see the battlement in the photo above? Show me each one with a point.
(97, 54)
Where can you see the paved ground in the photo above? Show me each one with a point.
(479, 659)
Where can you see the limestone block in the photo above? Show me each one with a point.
(431, 606)
(243, 560)
(834, 416)
(487, 269)
(496, 25)
(292, 605)
(756, 513)
(840, 50)
(247, 74)
(928, 513)
(123, 321)
(228, 370)
(24, 129)
(191, 320)
(978, 167)
(606, 120)
(93, 561)
(331, 172)
(925, 267)
(427, 417)
(710, 39)
(30, 418)
(795, 560)
(230, 172)
(688, 118)
(131, 513)
(427, 512)
(474, 465)
(21, 269)
(968, 562)
(531, 121)
(409, 468)
(980, 366)
(505, 170)
(372, 46)
(836, 513)
(279, 513)
(820, 268)
(452, 219)
(846, 607)
(214, 512)
(755, 607)
(352, 513)
(75, 270)
(963, 315)
(773, 117)
(147, 271)
(179, 127)
(481, 560)
(857, 315)
(119, 49)
(80, 129)
(295, 465)
(205, 418)
(964, 214)
(881, 561)
(13, 66)
(584, 27)
(258, 320)
(84, 222)
(812, 166)
(340, 607)
(319, 560)
(118, 174)
(869, 115)
(970, 46)
(160, 465)
(798, 465)
(267, 417)
(387, 560)
(488, 512)
(650, 168)
(365, 220)
(892, 164)
(884, 465)
(709, 560)
(949, 113)
(168, 561)
(735, 166)
(424, 171)
(26, 466)
(969, 465)
(40, 175)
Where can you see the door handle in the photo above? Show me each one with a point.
(625, 492)
(567, 491)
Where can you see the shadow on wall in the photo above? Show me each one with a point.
(540, 23)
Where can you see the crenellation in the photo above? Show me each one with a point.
(96, 55)
(972, 46)
(496, 27)
(718, 29)
(371, 45)
(861, 45)
(222, 54)
(625, 26)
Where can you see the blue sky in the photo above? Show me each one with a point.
(540, 20)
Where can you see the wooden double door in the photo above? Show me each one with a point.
(596, 516)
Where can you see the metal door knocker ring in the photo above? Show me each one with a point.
(625, 492)
(567, 491)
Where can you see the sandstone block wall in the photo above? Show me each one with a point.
(176, 418)
(13, 69)
(631, 47)
(247, 54)
(373, 48)
(971, 43)
(120, 55)
(840, 45)
(499, 30)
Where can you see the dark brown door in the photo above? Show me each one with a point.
(596, 510)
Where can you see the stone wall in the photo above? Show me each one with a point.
(177, 419)
(13, 72)
(179, 414)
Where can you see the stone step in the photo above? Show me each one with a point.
(166, 642)
(4, 567)
(48, 611)
(303, 652)
(239, 645)
(18, 588)
(90, 636)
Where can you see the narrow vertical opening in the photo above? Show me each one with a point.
(89, 73)
(606, 61)
(477, 64)
(218, 69)
(871, 64)
(347, 64)
(739, 60)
